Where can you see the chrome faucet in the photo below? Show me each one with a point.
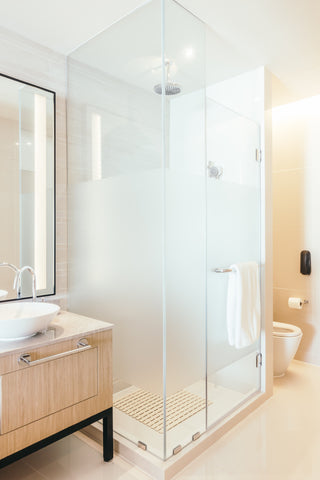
(16, 284)
(17, 278)
(34, 281)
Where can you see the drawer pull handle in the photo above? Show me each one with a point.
(82, 345)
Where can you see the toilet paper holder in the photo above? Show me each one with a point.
(296, 302)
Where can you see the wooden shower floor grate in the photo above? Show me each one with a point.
(147, 408)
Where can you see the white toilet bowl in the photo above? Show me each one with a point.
(286, 340)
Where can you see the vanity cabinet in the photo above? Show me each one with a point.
(51, 390)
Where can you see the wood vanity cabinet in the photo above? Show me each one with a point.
(53, 391)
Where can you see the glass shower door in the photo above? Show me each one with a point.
(184, 230)
(233, 236)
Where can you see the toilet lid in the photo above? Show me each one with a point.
(285, 330)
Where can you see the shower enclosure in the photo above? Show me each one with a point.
(164, 195)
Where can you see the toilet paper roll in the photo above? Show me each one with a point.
(294, 302)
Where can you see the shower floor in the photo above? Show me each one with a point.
(221, 401)
(147, 408)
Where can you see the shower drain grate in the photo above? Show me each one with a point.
(147, 408)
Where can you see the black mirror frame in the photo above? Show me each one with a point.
(54, 188)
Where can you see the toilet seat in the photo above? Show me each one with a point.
(285, 330)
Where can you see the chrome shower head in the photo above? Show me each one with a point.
(170, 88)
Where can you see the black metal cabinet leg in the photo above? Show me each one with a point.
(108, 436)
(106, 415)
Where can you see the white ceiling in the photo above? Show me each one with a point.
(284, 35)
(62, 25)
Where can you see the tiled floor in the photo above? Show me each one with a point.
(279, 441)
(70, 459)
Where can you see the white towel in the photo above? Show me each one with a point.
(243, 304)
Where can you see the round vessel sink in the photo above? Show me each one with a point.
(24, 319)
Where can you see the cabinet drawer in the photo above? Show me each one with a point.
(37, 391)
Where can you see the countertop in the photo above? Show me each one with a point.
(65, 326)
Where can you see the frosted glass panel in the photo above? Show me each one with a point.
(185, 226)
(233, 236)
(116, 204)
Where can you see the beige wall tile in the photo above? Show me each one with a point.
(288, 155)
(288, 197)
(298, 145)
(296, 225)
(288, 242)
(28, 61)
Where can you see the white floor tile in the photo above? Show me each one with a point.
(20, 471)
(279, 441)
(70, 459)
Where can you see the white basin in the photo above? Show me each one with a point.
(23, 319)
(3, 294)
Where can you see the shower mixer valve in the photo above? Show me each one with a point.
(214, 171)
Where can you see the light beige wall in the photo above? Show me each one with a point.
(30, 62)
(296, 213)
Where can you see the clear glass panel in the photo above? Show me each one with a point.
(233, 233)
(185, 226)
(116, 210)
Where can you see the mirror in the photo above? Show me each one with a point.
(27, 187)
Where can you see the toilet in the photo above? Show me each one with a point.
(286, 340)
